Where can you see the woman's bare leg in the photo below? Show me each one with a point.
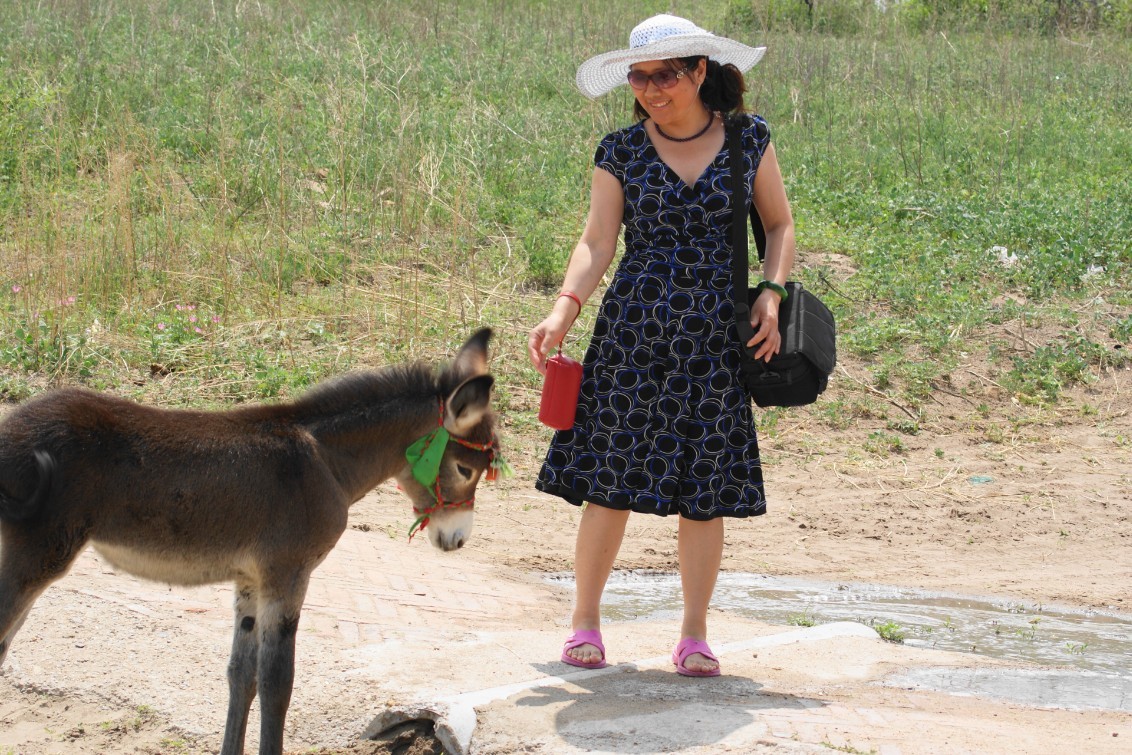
(599, 538)
(701, 553)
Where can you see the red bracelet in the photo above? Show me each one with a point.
(574, 296)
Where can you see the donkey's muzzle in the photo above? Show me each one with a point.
(451, 544)
(451, 529)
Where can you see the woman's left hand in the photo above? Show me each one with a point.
(764, 320)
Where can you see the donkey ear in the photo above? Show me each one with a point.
(467, 404)
(472, 359)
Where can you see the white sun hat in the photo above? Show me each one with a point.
(660, 38)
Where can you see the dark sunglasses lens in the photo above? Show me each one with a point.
(664, 79)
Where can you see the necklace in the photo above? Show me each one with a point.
(697, 135)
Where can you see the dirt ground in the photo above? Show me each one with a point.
(988, 497)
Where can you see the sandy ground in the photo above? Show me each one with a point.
(1015, 502)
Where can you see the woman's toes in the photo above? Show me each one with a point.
(584, 653)
(697, 662)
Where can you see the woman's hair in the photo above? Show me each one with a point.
(722, 89)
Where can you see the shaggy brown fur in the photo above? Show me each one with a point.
(256, 495)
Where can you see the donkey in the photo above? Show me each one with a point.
(256, 495)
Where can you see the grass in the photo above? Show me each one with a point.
(804, 619)
(847, 748)
(215, 202)
(889, 631)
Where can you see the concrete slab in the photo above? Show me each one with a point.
(455, 716)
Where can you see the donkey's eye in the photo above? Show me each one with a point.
(465, 471)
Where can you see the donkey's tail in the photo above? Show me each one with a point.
(15, 510)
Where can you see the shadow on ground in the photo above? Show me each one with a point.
(653, 710)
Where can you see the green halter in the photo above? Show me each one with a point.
(425, 454)
(424, 457)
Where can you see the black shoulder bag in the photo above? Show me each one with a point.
(799, 372)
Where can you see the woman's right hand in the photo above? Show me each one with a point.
(550, 332)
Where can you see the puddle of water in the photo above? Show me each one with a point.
(1047, 688)
(1095, 648)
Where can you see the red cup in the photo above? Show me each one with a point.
(560, 392)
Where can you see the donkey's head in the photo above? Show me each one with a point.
(446, 465)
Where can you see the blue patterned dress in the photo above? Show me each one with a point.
(663, 424)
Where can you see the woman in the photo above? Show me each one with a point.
(663, 424)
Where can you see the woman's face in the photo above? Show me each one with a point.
(676, 102)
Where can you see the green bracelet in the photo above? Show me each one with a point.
(780, 290)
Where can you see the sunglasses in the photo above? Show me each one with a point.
(665, 78)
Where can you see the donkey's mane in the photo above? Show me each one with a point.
(389, 384)
(355, 398)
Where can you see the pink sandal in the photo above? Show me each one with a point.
(690, 646)
(584, 637)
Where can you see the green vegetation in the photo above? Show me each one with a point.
(143, 715)
(804, 619)
(847, 748)
(213, 202)
(889, 631)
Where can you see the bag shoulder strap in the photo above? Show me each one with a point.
(739, 122)
(739, 203)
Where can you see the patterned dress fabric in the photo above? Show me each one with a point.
(663, 424)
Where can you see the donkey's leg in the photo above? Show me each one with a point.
(6, 637)
(278, 623)
(241, 669)
(30, 560)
